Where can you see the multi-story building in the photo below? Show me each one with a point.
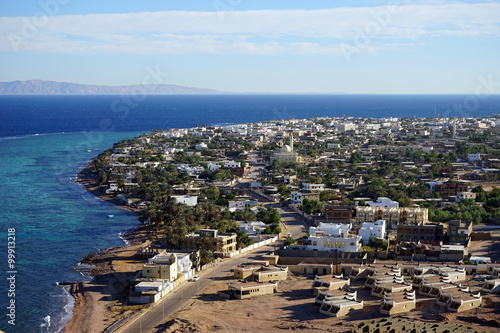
(223, 242)
(165, 270)
(418, 232)
(459, 231)
(322, 242)
(216, 242)
(333, 237)
(337, 213)
(375, 229)
(296, 198)
(392, 215)
(450, 189)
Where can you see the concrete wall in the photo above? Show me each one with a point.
(251, 247)
(313, 269)
(475, 236)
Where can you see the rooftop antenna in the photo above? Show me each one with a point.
(435, 110)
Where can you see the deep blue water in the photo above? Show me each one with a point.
(22, 115)
(44, 141)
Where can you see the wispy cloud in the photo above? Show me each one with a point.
(264, 32)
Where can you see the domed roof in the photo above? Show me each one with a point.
(286, 149)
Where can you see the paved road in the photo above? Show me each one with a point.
(294, 224)
(151, 320)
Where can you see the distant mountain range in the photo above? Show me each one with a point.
(40, 87)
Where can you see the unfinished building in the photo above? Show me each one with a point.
(398, 302)
(335, 294)
(340, 307)
(325, 283)
(273, 273)
(249, 289)
(491, 286)
(384, 287)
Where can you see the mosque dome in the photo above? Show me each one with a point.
(286, 149)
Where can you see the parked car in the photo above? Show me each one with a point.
(195, 278)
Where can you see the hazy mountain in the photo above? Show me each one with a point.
(40, 87)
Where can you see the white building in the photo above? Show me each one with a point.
(190, 170)
(346, 127)
(384, 202)
(173, 150)
(332, 229)
(332, 145)
(213, 166)
(186, 199)
(322, 242)
(333, 237)
(313, 187)
(232, 164)
(465, 195)
(184, 263)
(252, 227)
(375, 229)
(240, 204)
(201, 146)
(150, 291)
(296, 198)
(474, 157)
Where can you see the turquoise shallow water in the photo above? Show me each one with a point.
(57, 222)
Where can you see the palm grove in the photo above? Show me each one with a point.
(167, 221)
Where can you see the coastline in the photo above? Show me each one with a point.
(85, 178)
(98, 302)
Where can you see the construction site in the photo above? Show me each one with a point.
(376, 297)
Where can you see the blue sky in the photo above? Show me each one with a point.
(413, 46)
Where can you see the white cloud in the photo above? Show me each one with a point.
(246, 32)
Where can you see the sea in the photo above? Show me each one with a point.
(46, 140)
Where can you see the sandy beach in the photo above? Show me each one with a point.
(91, 184)
(100, 302)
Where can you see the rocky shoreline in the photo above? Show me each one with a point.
(99, 302)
